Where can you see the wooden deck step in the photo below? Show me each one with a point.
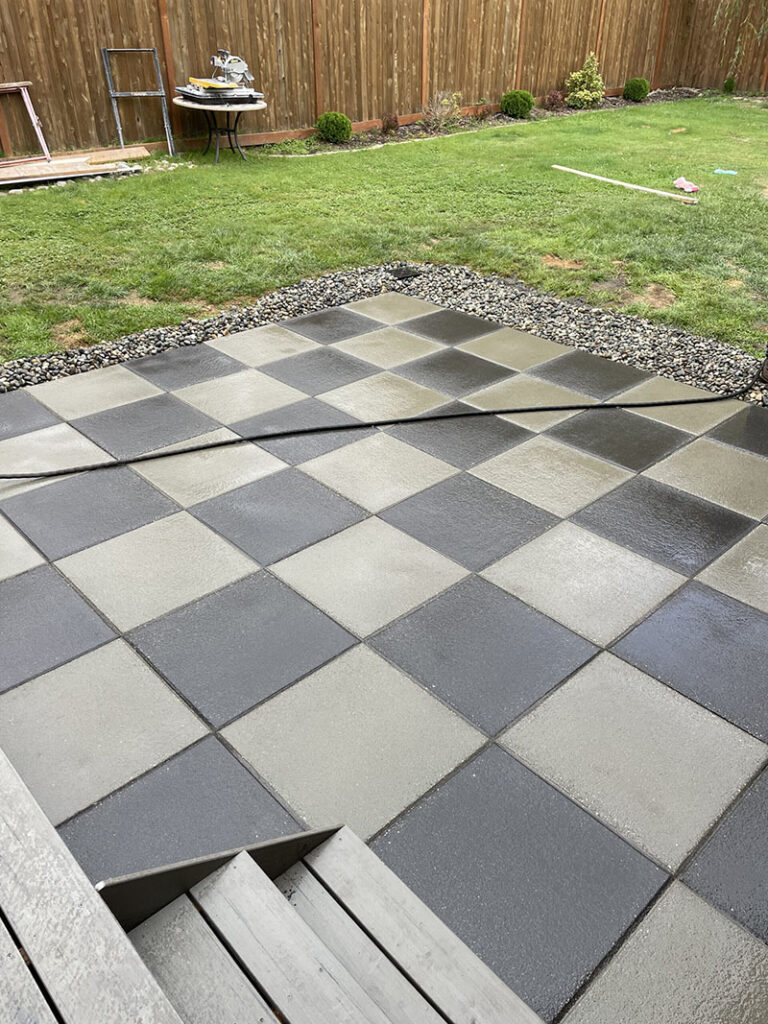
(291, 965)
(199, 977)
(21, 1001)
(364, 960)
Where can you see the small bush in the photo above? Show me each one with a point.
(517, 103)
(442, 111)
(334, 127)
(389, 124)
(636, 89)
(585, 88)
(729, 85)
(554, 100)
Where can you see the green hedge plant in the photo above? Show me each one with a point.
(636, 89)
(585, 88)
(334, 127)
(517, 103)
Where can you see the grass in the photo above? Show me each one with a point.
(94, 261)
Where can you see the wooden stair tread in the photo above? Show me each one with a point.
(21, 1001)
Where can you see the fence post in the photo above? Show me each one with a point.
(520, 39)
(424, 53)
(170, 73)
(660, 47)
(600, 23)
(316, 57)
(764, 81)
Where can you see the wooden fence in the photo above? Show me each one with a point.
(365, 57)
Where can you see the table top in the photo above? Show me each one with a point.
(180, 101)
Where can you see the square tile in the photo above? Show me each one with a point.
(262, 345)
(239, 395)
(81, 731)
(233, 649)
(377, 471)
(45, 623)
(56, 447)
(551, 475)
(515, 349)
(652, 765)
(388, 347)
(581, 580)
(747, 430)
(384, 396)
(454, 373)
(274, 517)
(145, 426)
(449, 326)
(94, 391)
(20, 413)
(534, 885)
(684, 964)
(318, 371)
(631, 441)
(742, 572)
(527, 392)
(329, 325)
(693, 418)
(16, 554)
(368, 575)
(727, 476)
(731, 869)
(480, 650)
(468, 520)
(307, 414)
(355, 742)
(180, 367)
(198, 476)
(671, 527)
(83, 510)
(710, 648)
(592, 375)
(392, 307)
(143, 574)
(201, 802)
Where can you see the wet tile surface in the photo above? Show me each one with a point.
(454, 373)
(308, 413)
(332, 325)
(20, 413)
(449, 326)
(320, 370)
(622, 437)
(747, 429)
(581, 371)
(180, 367)
(88, 393)
(392, 307)
(742, 572)
(696, 419)
(526, 392)
(229, 399)
(16, 553)
(388, 347)
(515, 349)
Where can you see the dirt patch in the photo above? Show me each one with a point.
(134, 299)
(557, 264)
(613, 285)
(734, 283)
(16, 294)
(764, 191)
(216, 265)
(676, 131)
(617, 290)
(68, 334)
(657, 296)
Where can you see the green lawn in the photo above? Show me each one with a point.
(94, 261)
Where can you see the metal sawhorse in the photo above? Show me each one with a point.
(114, 95)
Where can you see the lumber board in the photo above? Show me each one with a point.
(86, 963)
(195, 971)
(463, 987)
(681, 197)
(365, 961)
(109, 156)
(301, 978)
(21, 1001)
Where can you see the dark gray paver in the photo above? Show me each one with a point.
(710, 648)
(278, 515)
(484, 652)
(20, 413)
(139, 427)
(73, 514)
(310, 413)
(632, 441)
(592, 375)
(320, 370)
(180, 367)
(747, 429)
(230, 650)
(200, 802)
(44, 623)
(466, 442)
(731, 871)
(331, 325)
(454, 372)
(534, 885)
(449, 326)
(670, 526)
(469, 520)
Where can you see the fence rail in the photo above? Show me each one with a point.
(365, 57)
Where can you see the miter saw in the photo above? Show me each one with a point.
(227, 84)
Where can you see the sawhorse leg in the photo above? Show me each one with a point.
(36, 123)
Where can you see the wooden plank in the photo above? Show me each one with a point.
(195, 971)
(660, 48)
(170, 73)
(681, 197)
(600, 23)
(365, 961)
(521, 30)
(425, 53)
(317, 60)
(83, 958)
(301, 978)
(5, 135)
(464, 988)
(108, 156)
(21, 1001)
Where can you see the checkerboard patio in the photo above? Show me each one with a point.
(523, 656)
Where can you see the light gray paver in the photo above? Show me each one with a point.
(384, 396)
(524, 391)
(388, 347)
(694, 418)
(239, 395)
(16, 554)
(95, 391)
(392, 307)
(515, 349)
(742, 572)
(262, 345)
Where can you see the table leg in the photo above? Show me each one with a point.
(237, 141)
(210, 132)
(218, 137)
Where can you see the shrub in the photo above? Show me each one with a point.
(389, 124)
(442, 111)
(729, 85)
(636, 89)
(585, 88)
(334, 127)
(554, 100)
(517, 103)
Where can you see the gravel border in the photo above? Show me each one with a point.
(664, 350)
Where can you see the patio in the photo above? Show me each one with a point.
(524, 657)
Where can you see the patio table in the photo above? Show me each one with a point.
(211, 110)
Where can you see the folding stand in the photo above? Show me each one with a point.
(159, 92)
(21, 87)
